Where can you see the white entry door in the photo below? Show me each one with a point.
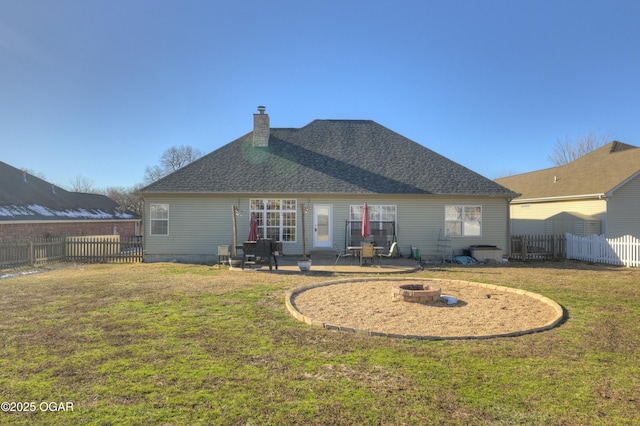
(322, 226)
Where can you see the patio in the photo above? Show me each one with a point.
(326, 265)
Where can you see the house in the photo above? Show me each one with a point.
(33, 208)
(594, 194)
(323, 172)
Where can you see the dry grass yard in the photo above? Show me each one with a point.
(190, 344)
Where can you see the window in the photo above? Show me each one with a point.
(377, 213)
(159, 216)
(463, 221)
(382, 219)
(276, 218)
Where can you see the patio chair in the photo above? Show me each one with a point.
(341, 253)
(389, 254)
(367, 252)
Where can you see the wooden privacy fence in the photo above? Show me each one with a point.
(596, 248)
(86, 249)
(17, 253)
(103, 249)
(527, 247)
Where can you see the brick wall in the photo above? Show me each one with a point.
(64, 229)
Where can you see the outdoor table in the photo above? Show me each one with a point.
(357, 249)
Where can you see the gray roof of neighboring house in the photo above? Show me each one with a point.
(29, 198)
(328, 157)
(598, 172)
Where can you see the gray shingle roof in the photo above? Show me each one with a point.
(27, 197)
(328, 157)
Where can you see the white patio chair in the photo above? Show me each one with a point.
(389, 254)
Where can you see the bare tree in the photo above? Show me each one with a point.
(171, 160)
(128, 199)
(153, 173)
(570, 149)
(82, 184)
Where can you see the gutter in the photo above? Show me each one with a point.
(58, 221)
(599, 196)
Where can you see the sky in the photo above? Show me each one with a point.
(99, 89)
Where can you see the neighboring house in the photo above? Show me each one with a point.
(595, 194)
(329, 169)
(33, 208)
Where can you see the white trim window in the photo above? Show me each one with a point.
(378, 214)
(383, 221)
(463, 221)
(276, 218)
(159, 219)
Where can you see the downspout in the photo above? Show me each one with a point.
(605, 231)
(234, 213)
(508, 227)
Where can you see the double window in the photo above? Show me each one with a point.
(378, 214)
(463, 221)
(159, 219)
(382, 219)
(276, 218)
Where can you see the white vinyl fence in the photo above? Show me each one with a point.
(596, 248)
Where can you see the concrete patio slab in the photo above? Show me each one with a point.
(323, 265)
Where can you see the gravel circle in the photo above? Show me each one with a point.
(366, 306)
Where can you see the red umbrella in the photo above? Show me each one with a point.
(366, 226)
(253, 228)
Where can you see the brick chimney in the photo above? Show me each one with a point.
(261, 130)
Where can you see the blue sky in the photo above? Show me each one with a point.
(101, 88)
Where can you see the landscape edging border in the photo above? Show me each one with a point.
(290, 305)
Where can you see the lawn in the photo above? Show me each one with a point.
(190, 344)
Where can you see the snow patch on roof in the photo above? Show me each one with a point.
(47, 212)
(41, 210)
(124, 215)
(15, 211)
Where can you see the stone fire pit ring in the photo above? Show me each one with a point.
(416, 293)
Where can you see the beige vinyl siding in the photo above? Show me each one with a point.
(530, 218)
(419, 221)
(623, 216)
(199, 223)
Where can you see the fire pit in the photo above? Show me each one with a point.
(416, 293)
